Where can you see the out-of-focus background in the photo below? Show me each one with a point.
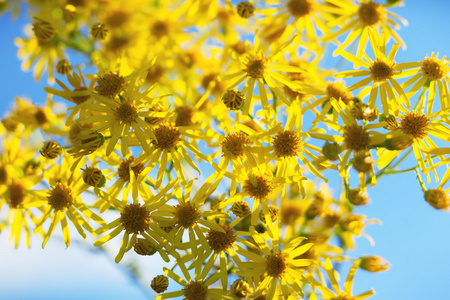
(414, 237)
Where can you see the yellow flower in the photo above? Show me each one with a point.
(63, 201)
(362, 19)
(275, 267)
(258, 68)
(137, 219)
(382, 72)
(197, 288)
(431, 75)
(337, 293)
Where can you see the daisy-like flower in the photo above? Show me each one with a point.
(187, 216)
(419, 127)
(197, 288)
(275, 267)
(169, 142)
(355, 138)
(303, 17)
(337, 293)
(19, 218)
(382, 73)
(260, 70)
(432, 75)
(63, 201)
(138, 219)
(361, 19)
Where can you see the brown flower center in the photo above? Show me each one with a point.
(370, 13)
(187, 214)
(110, 85)
(221, 241)
(60, 197)
(184, 116)
(124, 169)
(16, 194)
(168, 137)
(276, 265)
(338, 91)
(233, 143)
(287, 143)
(433, 69)
(415, 124)
(380, 70)
(126, 112)
(260, 189)
(300, 8)
(195, 291)
(256, 66)
(356, 138)
(135, 218)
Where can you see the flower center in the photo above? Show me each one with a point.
(370, 13)
(117, 18)
(276, 265)
(290, 212)
(16, 194)
(195, 291)
(43, 30)
(233, 99)
(110, 85)
(60, 197)
(80, 99)
(221, 241)
(241, 209)
(184, 116)
(233, 143)
(300, 8)
(287, 143)
(3, 174)
(160, 29)
(260, 189)
(187, 214)
(433, 68)
(124, 169)
(256, 66)
(213, 80)
(135, 218)
(155, 73)
(92, 176)
(126, 112)
(167, 135)
(338, 91)
(356, 137)
(381, 70)
(415, 124)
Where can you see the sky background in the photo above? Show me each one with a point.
(414, 237)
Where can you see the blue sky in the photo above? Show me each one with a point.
(414, 237)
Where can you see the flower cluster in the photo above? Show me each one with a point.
(208, 132)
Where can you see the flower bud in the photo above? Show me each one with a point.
(331, 150)
(358, 197)
(160, 283)
(437, 198)
(51, 150)
(240, 289)
(374, 264)
(144, 247)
